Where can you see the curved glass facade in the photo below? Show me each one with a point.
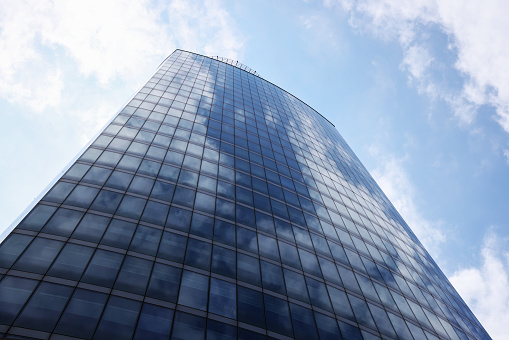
(218, 206)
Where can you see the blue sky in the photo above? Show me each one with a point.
(420, 91)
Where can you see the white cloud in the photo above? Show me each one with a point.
(484, 288)
(117, 39)
(477, 34)
(392, 177)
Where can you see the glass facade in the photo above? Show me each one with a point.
(216, 205)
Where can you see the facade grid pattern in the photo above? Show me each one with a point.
(218, 206)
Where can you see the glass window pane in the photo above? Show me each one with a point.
(164, 283)
(82, 314)
(194, 290)
(14, 292)
(91, 228)
(187, 326)
(248, 269)
(63, 222)
(250, 307)
(173, 247)
(277, 315)
(82, 196)
(103, 268)
(223, 261)
(119, 234)
(37, 217)
(146, 240)
(118, 320)
(134, 275)
(44, 308)
(154, 323)
(222, 299)
(198, 254)
(303, 323)
(12, 247)
(71, 262)
(107, 201)
(39, 255)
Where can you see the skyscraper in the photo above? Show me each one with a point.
(216, 205)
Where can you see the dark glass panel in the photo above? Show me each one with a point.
(154, 323)
(119, 180)
(272, 277)
(194, 290)
(14, 292)
(223, 261)
(248, 269)
(202, 225)
(131, 207)
(318, 294)
(119, 234)
(250, 307)
(198, 254)
(37, 217)
(303, 323)
(179, 219)
(103, 268)
(155, 213)
(82, 314)
(63, 222)
(82, 196)
(187, 326)
(134, 275)
(224, 232)
(173, 247)
(71, 262)
(222, 299)
(277, 315)
(220, 331)
(107, 201)
(39, 255)
(246, 239)
(97, 175)
(118, 320)
(164, 283)
(91, 228)
(327, 327)
(146, 240)
(44, 308)
(12, 247)
(59, 192)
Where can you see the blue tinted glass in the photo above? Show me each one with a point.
(220, 331)
(164, 283)
(268, 247)
(131, 207)
(272, 277)
(194, 290)
(224, 232)
(146, 240)
(82, 314)
(296, 286)
(63, 222)
(14, 292)
(39, 255)
(119, 234)
(71, 262)
(91, 228)
(118, 320)
(246, 239)
(119, 180)
(303, 323)
(103, 268)
(97, 175)
(141, 185)
(12, 247)
(154, 323)
(179, 219)
(37, 217)
(59, 192)
(198, 254)
(223, 261)
(82, 196)
(202, 225)
(187, 326)
(222, 299)
(134, 275)
(248, 269)
(250, 307)
(277, 315)
(44, 308)
(327, 327)
(172, 247)
(309, 263)
(163, 191)
(107, 201)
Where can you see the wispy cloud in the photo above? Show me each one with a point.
(476, 44)
(484, 288)
(118, 39)
(392, 177)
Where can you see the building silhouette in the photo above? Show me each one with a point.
(216, 205)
